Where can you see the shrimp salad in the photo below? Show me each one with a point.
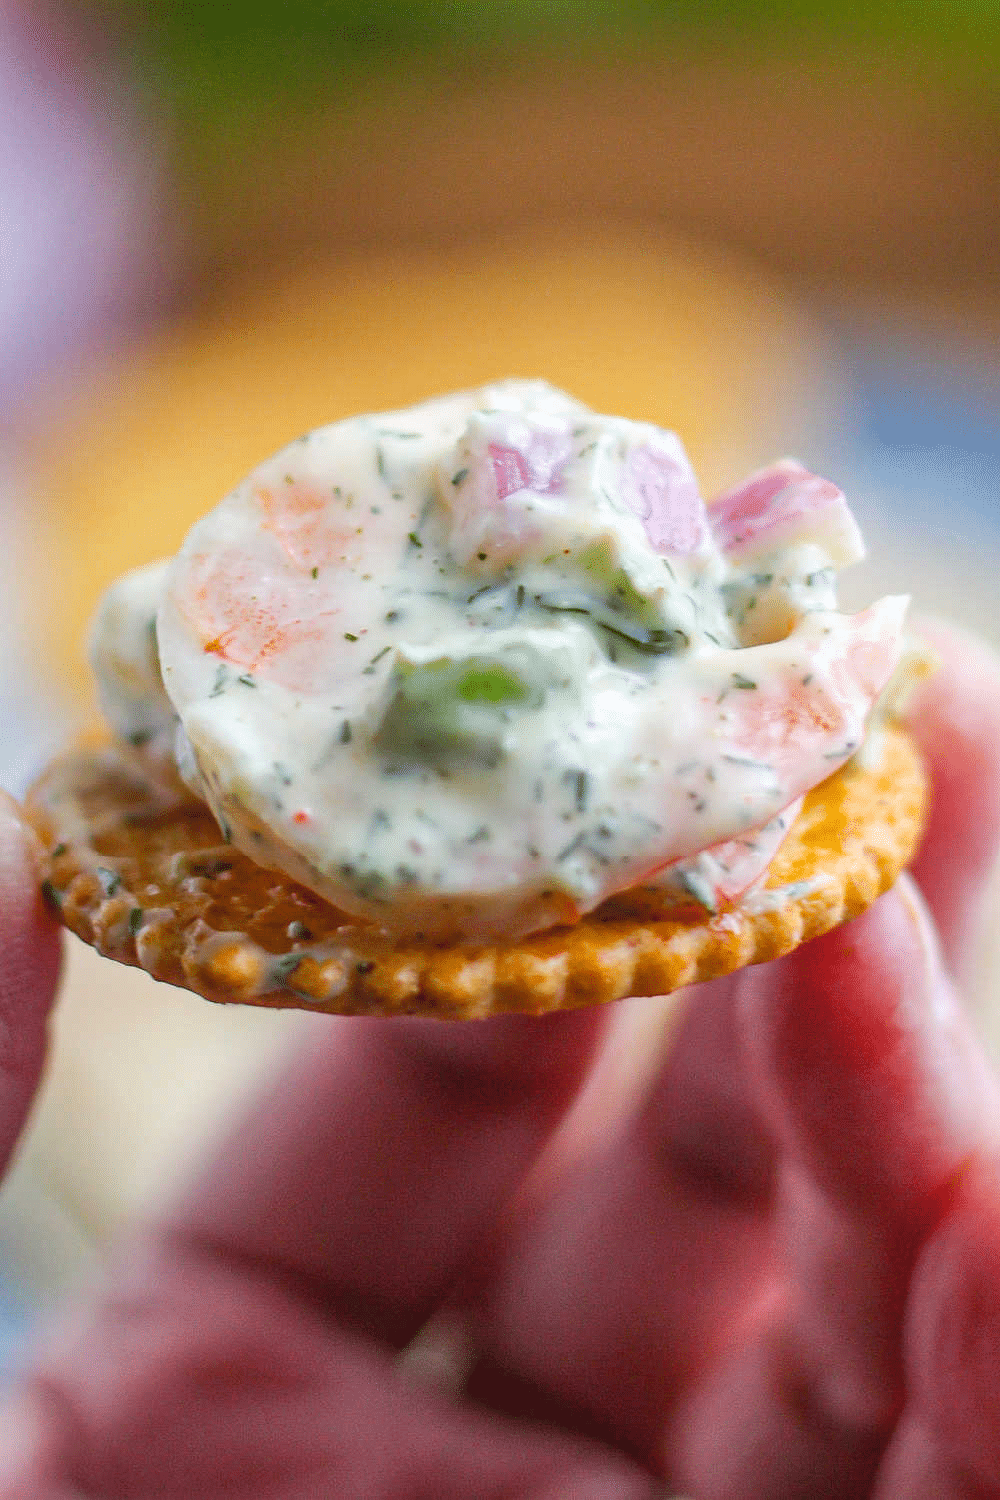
(471, 668)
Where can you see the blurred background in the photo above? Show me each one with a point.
(771, 226)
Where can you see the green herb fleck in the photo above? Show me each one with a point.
(371, 885)
(482, 556)
(845, 750)
(745, 760)
(246, 680)
(345, 732)
(581, 788)
(370, 669)
(52, 896)
(220, 682)
(414, 539)
(457, 478)
(286, 964)
(648, 642)
(570, 848)
(348, 636)
(59, 849)
(135, 917)
(739, 681)
(314, 572)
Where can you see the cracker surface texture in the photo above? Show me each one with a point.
(137, 868)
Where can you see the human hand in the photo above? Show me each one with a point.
(778, 1277)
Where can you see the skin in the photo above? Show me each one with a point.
(779, 1276)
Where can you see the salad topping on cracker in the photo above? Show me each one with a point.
(471, 669)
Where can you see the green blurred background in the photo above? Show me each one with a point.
(853, 143)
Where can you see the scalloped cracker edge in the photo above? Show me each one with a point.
(136, 868)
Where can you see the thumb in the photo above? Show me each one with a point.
(29, 969)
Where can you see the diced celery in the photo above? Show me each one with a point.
(454, 710)
(491, 684)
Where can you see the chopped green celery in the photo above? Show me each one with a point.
(619, 592)
(625, 611)
(453, 711)
(491, 684)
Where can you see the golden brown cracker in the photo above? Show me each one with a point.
(137, 868)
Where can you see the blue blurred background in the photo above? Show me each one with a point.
(807, 209)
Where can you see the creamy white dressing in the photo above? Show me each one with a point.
(473, 667)
(123, 648)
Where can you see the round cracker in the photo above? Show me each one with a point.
(137, 868)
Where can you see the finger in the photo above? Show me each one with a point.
(866, 1065)
(198, 1377)
(29, 967)
(877, 1094)
(952, 1335)
(617, 1289)
(955, 718)
(376, 1164)
(917, 1468)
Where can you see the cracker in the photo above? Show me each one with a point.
(136, 867)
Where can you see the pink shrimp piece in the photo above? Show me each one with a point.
(781, 505)
(874, 649)
(806, 728)
(658, 485)
(284, 605)
(730, 868)
(269, 624)
(300, 517)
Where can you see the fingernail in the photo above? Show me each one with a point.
(943, 1001)
(940, 996)
(916, 908)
